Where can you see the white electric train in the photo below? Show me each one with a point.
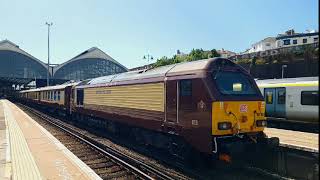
(292, 99)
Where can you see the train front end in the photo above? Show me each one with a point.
(238, 110)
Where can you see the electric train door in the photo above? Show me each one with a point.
(275, 99)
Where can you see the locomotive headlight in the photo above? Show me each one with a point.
(224, 125)
(261, 123)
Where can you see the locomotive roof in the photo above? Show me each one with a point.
(61, 86)
(160, 73)
(289, 81)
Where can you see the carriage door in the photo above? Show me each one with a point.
(275, 99)
(281, 102)
(171, 102)
(185, 100)
(67, 92)
(269, 96)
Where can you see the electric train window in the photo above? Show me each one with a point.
(58, 95)
(234, 83)
(281, 97)
(310, 98)
(185, 87)
(269, 97)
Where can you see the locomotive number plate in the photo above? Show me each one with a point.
(243, 108)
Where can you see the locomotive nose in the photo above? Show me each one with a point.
(234, 117)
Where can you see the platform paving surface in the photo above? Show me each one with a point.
(33, 152)
(295, 139)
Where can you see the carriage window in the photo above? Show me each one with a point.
(80, 96)
(281, 97)
(55, 95)
(58, 95)
(310, 98)
(269, 97)
(185, 88)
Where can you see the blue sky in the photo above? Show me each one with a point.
(127, 30)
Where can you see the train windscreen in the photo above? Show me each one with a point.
(234, 84)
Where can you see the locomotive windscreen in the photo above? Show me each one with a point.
(234, 84)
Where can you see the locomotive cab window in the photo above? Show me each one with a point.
(234, 84)
(185, 88)
(80, 97)
(310, 98)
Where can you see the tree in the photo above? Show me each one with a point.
(214, 53)
(194, 55)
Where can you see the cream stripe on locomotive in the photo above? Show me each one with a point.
(139, 96)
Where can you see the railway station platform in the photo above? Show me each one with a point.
(295, 139)
(28, 151)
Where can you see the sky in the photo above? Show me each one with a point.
(128, 30)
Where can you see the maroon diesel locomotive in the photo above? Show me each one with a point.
(207, 105)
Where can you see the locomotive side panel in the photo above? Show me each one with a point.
(139, 104)
(195, 114)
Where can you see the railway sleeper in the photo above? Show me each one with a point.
(81, 153)
(74, 148)
(109, 170)
(101, 165)
(118, 175)
(91, 156)
(97, 161)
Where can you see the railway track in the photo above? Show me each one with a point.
(108, 163)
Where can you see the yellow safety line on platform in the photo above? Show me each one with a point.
(23, 164)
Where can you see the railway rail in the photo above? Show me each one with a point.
(108, 163)
(109, 169)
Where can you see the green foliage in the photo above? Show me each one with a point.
(260, 61)
(194, 55)
(214, 53)
(243, 61)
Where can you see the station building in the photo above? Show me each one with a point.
(19, 68)
(16, 63)
(88, 64)
(288, 39)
